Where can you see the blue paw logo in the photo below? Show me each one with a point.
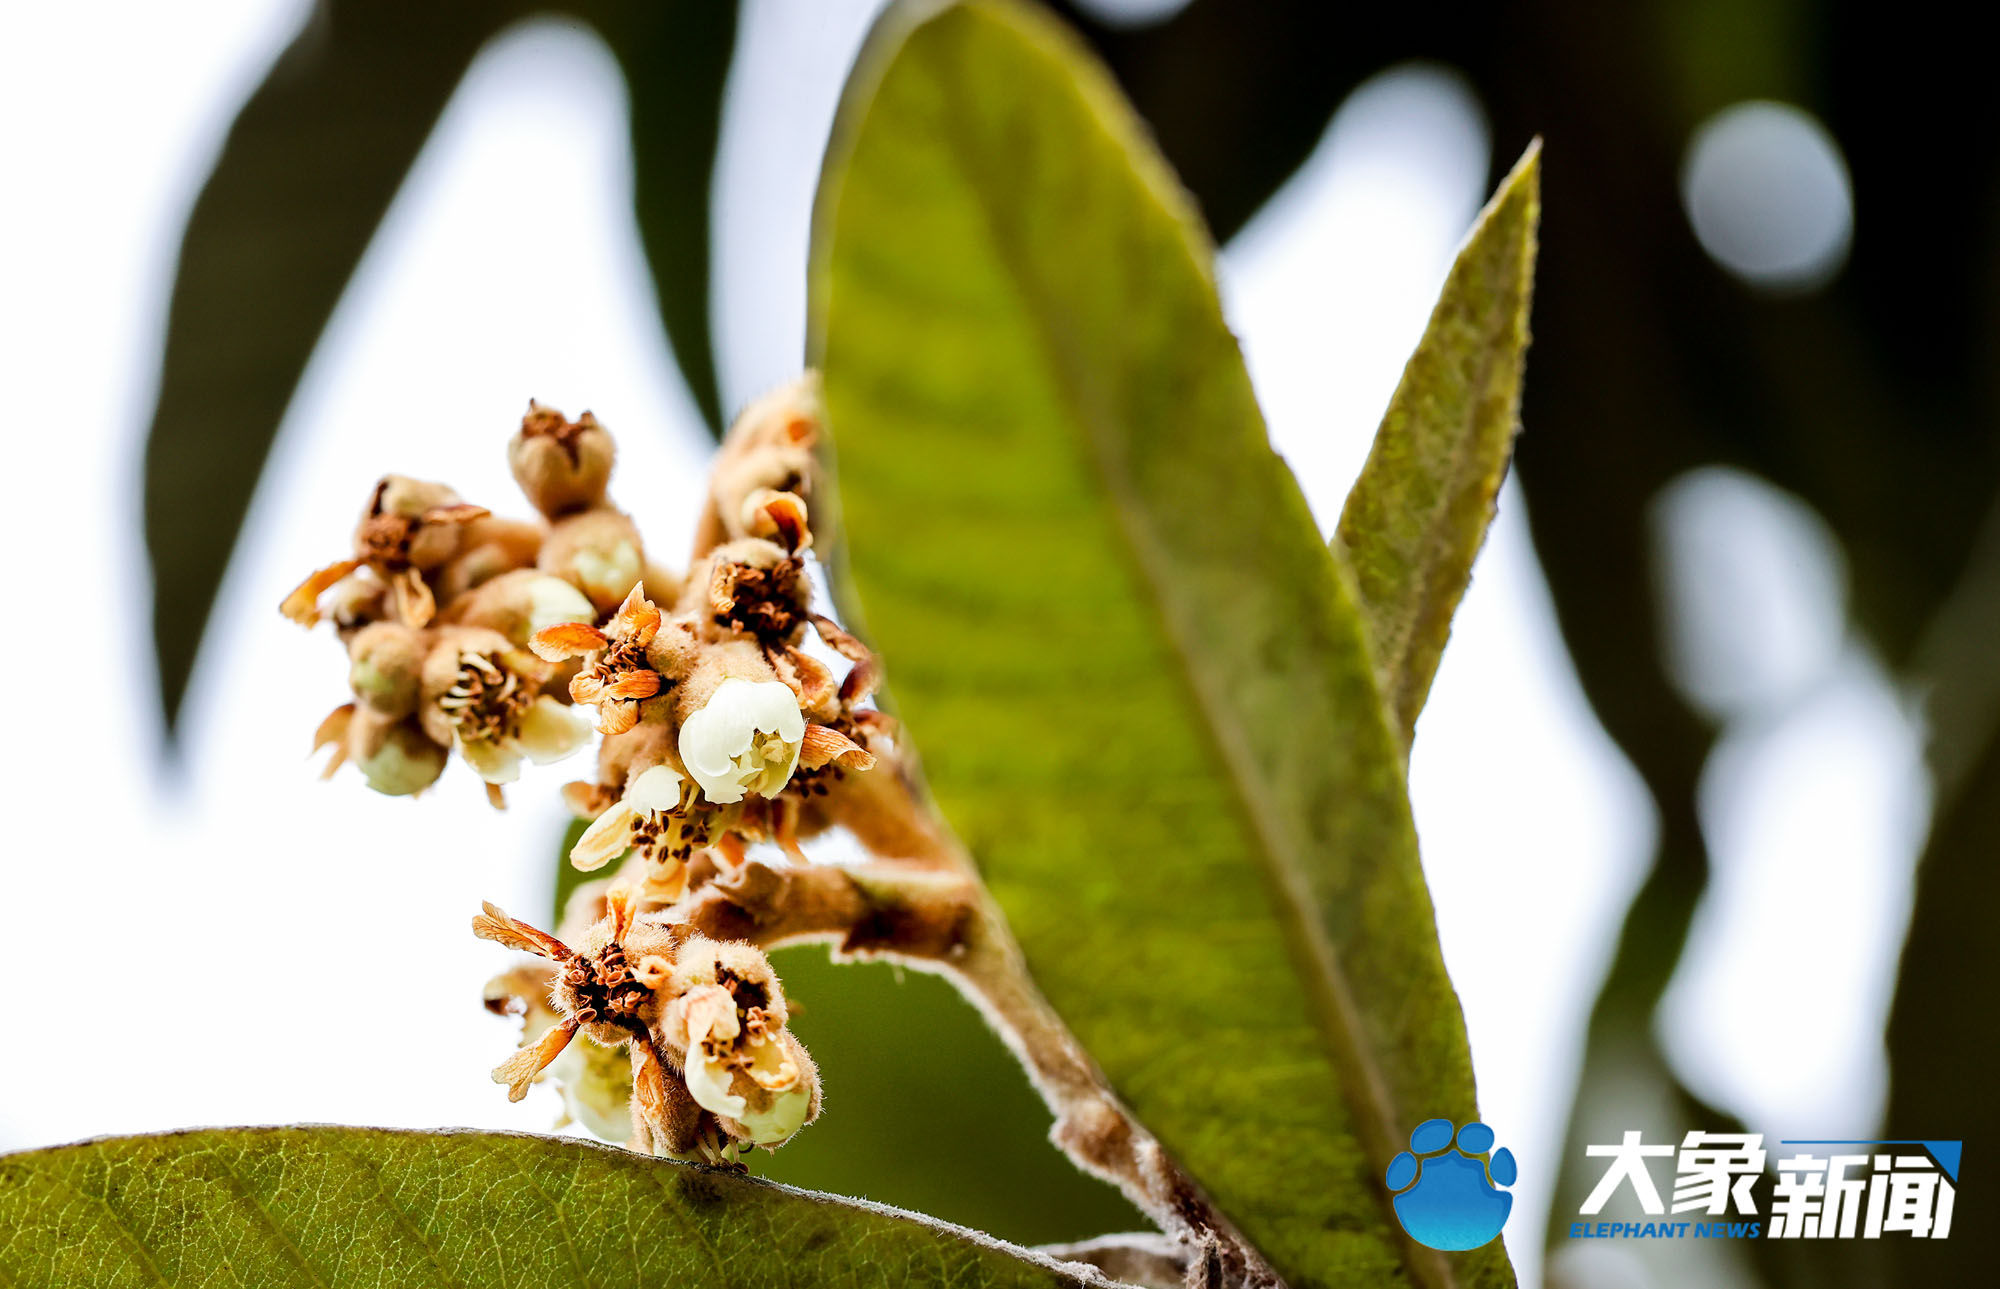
(1449, 1202)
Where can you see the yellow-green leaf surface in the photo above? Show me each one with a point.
(351, 1207)
(1138, 678)
(1417, 515)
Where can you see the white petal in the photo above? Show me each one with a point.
(494, 761)
(596, 1085)
(655, 791)
(714, 739)
(552, 601)
(773, 708)
(550, 731)
(711, 1012)
(606, 839)
(785, 1116)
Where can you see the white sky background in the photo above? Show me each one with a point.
(143, 915)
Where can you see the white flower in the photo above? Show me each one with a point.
(596, 1084)
(718, 1050)
(544, 731)
(712, 1028)
(746, 738)
(657, 818)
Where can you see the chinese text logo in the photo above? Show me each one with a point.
(1872, 1189)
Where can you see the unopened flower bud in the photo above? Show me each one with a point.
(385, 664)
(520, 603)
(403, 763)
(769, 447)
(562, 465)
(490, 547)
(598, 552)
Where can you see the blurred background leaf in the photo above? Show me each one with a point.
(346, 1207)
(311, 163)
(1183, 788)
(675, 57)
(268, 249)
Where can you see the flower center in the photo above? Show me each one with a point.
(766, 602)
(486, 701)
(606, 989)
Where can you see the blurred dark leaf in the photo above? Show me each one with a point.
(676, 58)
(1160, 736)
(342, 1208)
(1418, 514)
(1239, 94)
(568, 875)
(309, 167)
(1943, 1031)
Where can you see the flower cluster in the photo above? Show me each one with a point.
(680, 1036)
(723, 723)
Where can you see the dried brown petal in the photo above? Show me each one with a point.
(780, 516)
(637, 619)
(302, 605)
(567, 640)
(520, 1069)
(824, 744)
(333, 732)
(492, 923)
(633, 685)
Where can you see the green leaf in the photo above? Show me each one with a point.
(1140, 681)
(308, 170)
(338, 1207)
(568, 875)
(1417, 515)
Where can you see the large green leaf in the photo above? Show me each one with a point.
(1417, 515)
(1139, 679)
(339, 1207)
